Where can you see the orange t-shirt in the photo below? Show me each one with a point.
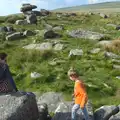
(80, 93)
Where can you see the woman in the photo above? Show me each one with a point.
(79, 94)
(6, 81)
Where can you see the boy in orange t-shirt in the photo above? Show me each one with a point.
(79, 94)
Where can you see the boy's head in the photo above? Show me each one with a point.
(3, 57)
(72, 74)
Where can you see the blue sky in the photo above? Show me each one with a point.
(13, 6)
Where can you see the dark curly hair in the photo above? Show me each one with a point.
(3, 55)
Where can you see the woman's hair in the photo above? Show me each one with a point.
(3, 55)
(73, 72)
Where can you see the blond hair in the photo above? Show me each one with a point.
(72, 72)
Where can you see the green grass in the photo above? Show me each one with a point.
(94, 70)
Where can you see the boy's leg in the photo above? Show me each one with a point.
(74, 110)
(85, 113)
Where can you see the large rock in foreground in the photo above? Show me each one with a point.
(18, 107)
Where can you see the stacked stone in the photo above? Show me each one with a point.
(29, 14)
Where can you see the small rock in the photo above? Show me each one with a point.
(117, 67)
(104, 43)
(95, 51)
(118, 77)
(111, 55)
(103, 15)
(41, 47)
(58, 47)
(35, 75)
(51, 34)
(58, 28)
(76, 52)
(48, 27)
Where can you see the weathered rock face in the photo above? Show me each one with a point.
(105, 112)
(27, 7)
(31, 19)
(15, 106)
(86, 35)
(15, 36)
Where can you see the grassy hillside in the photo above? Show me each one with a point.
(95, 70)
(99, 7)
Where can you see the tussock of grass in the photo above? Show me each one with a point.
(114, 46)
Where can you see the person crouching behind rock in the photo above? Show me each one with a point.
(7, 83)
(79, 94)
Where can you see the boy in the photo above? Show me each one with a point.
(79, 94)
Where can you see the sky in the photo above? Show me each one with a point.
(13, 6)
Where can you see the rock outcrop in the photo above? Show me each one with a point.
(15, 106)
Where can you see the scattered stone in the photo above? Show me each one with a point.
(41, 47)
(111, 55)
(86, 35)
(48, 27)
(56, 61)
(117, 67)
(95, 51)
(15, 36)
(28, 33)
(112, 25)
(118, 77)
(103, 15)
(104, 43)
(58, 28)
(15, 106)
(21, 22)
(58, 47)
(76, 52)
(35, 75)
(116, 61)
(105, 112)
(51, 34)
